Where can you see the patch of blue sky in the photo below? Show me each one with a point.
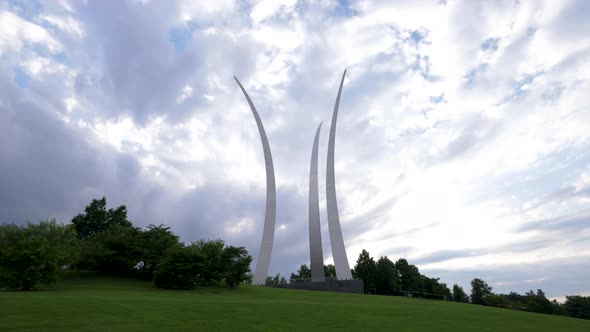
(417, 36)
(519, 88)
(437, 99)
(471, 76)
(244, 7)
(344, 8)
(43, 51)
(180, 36)
(531, 31)
(21, 78)
(423, 66)
(59, 57)
(27, 9)
(527, 79)
(490, 44)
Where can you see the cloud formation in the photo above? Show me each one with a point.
(462, 141)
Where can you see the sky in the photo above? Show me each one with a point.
(463, 138)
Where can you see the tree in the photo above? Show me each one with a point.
(236, 265)
(273, 281)
(213, 265)
(577, 306)
(479, 290)
(433, 288)
(97, 218)
(181, 268)
(330, 270)
(32, 255)
(113, 250)
(537, 302)
(304, 272)
(409, 276)
(459, 294)
(365, 269)
(152, 245)
(386, 278)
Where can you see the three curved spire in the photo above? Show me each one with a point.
(315, 244)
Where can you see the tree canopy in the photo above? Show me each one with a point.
(479, 290)
(32, 255)
(96, 218)
(103, 240)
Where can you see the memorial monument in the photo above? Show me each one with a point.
(344, 282)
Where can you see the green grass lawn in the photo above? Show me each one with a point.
(92, 303)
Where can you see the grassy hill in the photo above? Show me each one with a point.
(91, 303)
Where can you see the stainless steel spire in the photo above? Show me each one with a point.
(315, 235)
(336, 240)
(263, 263)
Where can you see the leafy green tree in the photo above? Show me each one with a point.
(459, 294)
(365, 269)
(32, 255)
(152, 245)
(386, 278)
(304, 272)
(515, 299)
(181, 268)
(577, 306)
(213, 251)
(497, 300)
(236, 265)
(112, 251)
(537, 302)
(96, 218)
(273, 281)
(433, 288)
(409, 276)
(213, 264)
(330, 270)
(479, 290)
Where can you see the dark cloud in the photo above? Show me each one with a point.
(130, 64)
(47, 168)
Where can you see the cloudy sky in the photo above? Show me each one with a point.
(463, 141)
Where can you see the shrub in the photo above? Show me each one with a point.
(32, 255)
(181, 268)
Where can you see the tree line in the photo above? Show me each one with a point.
(385, 277)
(104, 240)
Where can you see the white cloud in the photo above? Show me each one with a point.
(187, 92)
(67, 24)
(266, 8)
(16, 32)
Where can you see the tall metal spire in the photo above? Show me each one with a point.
(263, 263)
(315, 235)
(336, 240)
